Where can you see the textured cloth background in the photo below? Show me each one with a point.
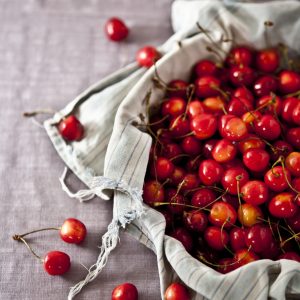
(50, 51)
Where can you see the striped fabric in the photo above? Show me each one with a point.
(115, 147)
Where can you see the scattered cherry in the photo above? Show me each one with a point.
(176, 291)
(71, 129)
(116, 29)
(147, 56)
(125, 291)
(56, 263)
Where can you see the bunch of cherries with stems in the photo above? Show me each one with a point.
(55, 262)
(224, 166)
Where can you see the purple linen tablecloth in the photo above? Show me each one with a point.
(50, 51)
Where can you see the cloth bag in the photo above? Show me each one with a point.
(112, 157)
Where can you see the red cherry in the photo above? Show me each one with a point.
(195, 220)
(208, 147)
(256, 160)
(289, 82)
(249, 118)
(183, 236)
(207, 86)
(290, 255)
(273, 102)
(177, 176)
(205, 67)
(125, 291)
(214, 105)
(293, 137)
(173, 107)
(163, 168)
(203, 198)
(56, 263)
(240, 55)
(281, 148)
(296, 114)
(177, 88)
(176, 291)
(275, 179)
(234, 177)
(171, 150)
(243, 92)
(174, 198)
(252, 141)
(272, 251)
(226, 265)
(232, 200)
(283, 206)
(292, 163)
(267, 127)
(244, 256)
(179, 126)
(237, 237)
(190, 181)
(255, 192)
(265, 85)
(210, 172)
(222, 214)
(116, 29)
(267, 60)
(259, 237)
(224, 151)
(241, 75)
(71, 129)
(288, 106)
(232, 128)
(147, 56)
(216, 238)
(239, 106)
(153, 192)
(191, 145)
(204, 126)
(73, 231)
(294, 221)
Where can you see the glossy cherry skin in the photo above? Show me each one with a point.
(177, 88)
(203, 198)
(233, 178)
(296, 114)
(205, 67)
(293, 137)
(191, 145)
(275, 179)
(249, 214)
(267, 127)
(290, 255)
(125, 291)
(208, 147)
(210, 172)
(288, 106)
(264, 85)
(292, 163)
(256, 160)
(222, 214)
(179, 126)
(283, 206)
(267, 60)
(195, 220)
(73, 231)
(116, 29)
(240, 55)
(244, 257)
(294, 221)
(243, 92)
(232, 128)
(249, 118)
(177, 176)
(252, 141)
(174, 198)
(184, 236)
(171, 150)
(56, 263)
(163, 168)
(147, 56)
(238, 106)
(204, 126)
(195, 108)
(214, 105)
(207, 86)
(176, 291)
(280, 148)
(255, 192)
(237, 238)
(216, 238)
(224, 151)
(173, 107)
(190, 181)
(71, 129)
(153, 192)
(269, 104)
(259, 237)
(289, 82)
(241, 76)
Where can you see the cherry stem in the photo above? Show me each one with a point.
(155, 204)
(267, 25)
(222, 228)
(38, 112)
(183, 136)
(284, 52)
(210, 49)
(190, 92)
(239, 198)
(290, 238)
(19, 238)
(293, 94)
(178, 156)
(216, 88)
(212, 187)
(38, 230)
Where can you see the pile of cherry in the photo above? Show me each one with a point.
(224, 167)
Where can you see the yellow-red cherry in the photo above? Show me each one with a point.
(282, 205)
(125, 291)
(255, 192)
(292, 163)
(249, 214)
(222, 214)
(73, 231)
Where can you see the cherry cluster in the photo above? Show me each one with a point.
(224, 167)
(55, 262)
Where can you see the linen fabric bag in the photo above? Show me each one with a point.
(112, 157)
